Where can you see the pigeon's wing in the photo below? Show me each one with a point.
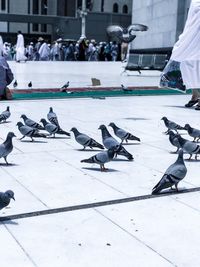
(102, 157)
(2, 150)
(51, 128)
(195, 133)
(190, 146)
(26, 130)
(82, 139)
(115, 30)
(121, 133)
(110, 142)
(165, 182)
(177, 170)
(137, 27)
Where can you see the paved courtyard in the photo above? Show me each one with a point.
(47, 174)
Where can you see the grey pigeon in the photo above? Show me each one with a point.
(5, 198)
(26, 130)
(195, 133)
(64, 87)
(171, 125)
(189, 147)
(30, 85)
(102, 158)
(52, 128)
(52, 117)
(31, 123)
(15, 84)
(5, 114)
(173, 138)
(110, 142)
(173, 175)
(125, 89)
(6, 147)
(85, 140)
(122, 134)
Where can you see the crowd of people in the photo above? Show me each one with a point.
(61, 50)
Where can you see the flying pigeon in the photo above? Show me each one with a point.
(5, 114)
(173, 175)
(195, 133)
(110, 142)
(102, 158)
(125, 89)
(174, 140)
(5, 198)
(52, 128)
(6, 147)
(64, 87)
(85, 140)
(171, 125)
(189, 146)
(52, 117)
(122, 134)
(31, 123)
(29, 132)
(15, 84)
(125, 34)
(30, 85)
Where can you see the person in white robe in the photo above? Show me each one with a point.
(20, 49)
(44, 52)
(187, 52)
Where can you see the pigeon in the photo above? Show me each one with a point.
(102, 158)
(173, 175)
(110, 142)
(15, 84)
(6, 147)
(5, 198)
(29, 132)
(174, 140)
(189, 146)
(5, 115)
(172, 125)
(195, 133)
(64, 87)
(85, 140)
(52, 128)
(125, 89)
(52, 117)
(31, 123)
(122, 134)
(30, 85)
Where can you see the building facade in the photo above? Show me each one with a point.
(60, 18)
(165, 19)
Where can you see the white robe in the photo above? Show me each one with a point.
(187, 48)
(20, 49)
(44, 52)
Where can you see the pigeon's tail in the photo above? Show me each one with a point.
(94, 143)
(60, 131)
(90, 160)
(165, 182)
(180, 127)
(123, 152)
(39, 135)
(132, 137)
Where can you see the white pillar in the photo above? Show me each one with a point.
(83, 18)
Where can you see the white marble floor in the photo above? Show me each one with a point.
(47, 174)
(79, 74)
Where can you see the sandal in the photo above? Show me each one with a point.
(191, 103)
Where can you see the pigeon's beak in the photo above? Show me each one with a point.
(14, 135)
(99, 128)
(13, 198)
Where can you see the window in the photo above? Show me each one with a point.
(125, 9)
(43, 27)
(44, 7)
(35, 7)
(35, 27)
(3, 4)
(115, 8)
(102, 5)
